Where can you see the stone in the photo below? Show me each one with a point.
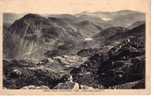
(67, 85)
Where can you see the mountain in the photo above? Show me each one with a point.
(114, 35)
(88, 29)
(33, 35)
(122, 18)
(10, 18)
(91, 23)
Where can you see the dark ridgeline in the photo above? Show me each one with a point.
(85, 50)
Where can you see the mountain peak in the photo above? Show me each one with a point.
(30, 15)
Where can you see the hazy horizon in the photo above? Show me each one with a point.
(11, 17)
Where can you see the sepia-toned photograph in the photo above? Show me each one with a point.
(76, 49)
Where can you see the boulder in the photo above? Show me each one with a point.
(67, 85)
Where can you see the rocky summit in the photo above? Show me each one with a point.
(97, 50)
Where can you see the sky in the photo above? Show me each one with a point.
(71, 6)
(68, 6)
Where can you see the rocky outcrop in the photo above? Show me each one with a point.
(17, 76)
(67, 85)
(123, 63)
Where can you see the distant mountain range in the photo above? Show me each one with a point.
(33, 35)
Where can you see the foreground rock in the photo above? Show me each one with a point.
(67, 85)
(16, 75)
(72, 86)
